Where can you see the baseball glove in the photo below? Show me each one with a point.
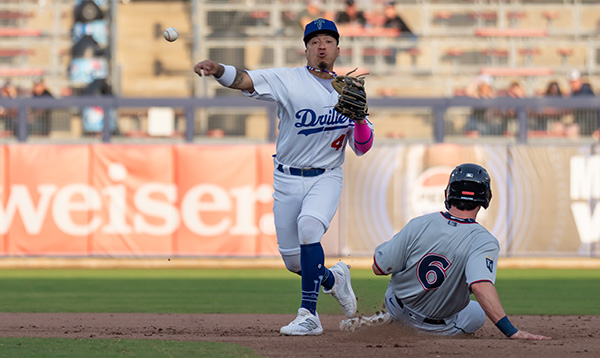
(352, 102)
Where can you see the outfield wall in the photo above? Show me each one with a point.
(209, 201)
(543, 196)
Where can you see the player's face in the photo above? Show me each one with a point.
(322, 51)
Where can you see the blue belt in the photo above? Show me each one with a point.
(310, 172)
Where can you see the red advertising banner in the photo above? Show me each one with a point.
(226, 201)
(138, 195)
(46, 199)
(111, 200)
(137, 200)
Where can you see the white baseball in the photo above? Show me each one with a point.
(171, 34)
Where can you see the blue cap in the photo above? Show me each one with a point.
(320, 26)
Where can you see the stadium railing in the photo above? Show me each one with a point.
(517, 116)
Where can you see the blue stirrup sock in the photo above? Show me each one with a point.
(328, 279)
(314, 273)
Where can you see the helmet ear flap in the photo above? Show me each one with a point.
(446, 202)
(488, 196)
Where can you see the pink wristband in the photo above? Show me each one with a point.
(363, 137)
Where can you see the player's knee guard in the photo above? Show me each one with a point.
(310, 230)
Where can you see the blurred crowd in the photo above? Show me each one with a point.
(38, 119)
(555, 122)
(38, 89)
(353, 16)
(482, 121)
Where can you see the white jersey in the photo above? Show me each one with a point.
(433, 261)
(311, 133)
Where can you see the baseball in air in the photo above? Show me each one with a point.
(171, 34)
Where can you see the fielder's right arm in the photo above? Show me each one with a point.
(227, 75)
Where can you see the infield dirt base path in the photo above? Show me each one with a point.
(573, 336)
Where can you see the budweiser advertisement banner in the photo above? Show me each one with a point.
(109, 200)
(137, 200)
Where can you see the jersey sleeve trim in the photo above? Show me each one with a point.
(379, 268)
(478, 281)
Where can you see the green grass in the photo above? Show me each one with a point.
(157, 291)
(549, 292)
(116, 348)
(523, 292)
(564, 292)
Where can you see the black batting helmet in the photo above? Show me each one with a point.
(469, 182)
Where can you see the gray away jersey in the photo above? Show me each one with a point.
(434, 259)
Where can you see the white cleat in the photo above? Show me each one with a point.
(351, 324)
(305, 324)
(342, 289)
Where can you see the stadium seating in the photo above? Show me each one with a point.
(454, 41)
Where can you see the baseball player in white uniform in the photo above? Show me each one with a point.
(310, 150)
(437, 260)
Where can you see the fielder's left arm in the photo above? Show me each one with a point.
(363, 136)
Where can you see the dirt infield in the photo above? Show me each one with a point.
(573, 336)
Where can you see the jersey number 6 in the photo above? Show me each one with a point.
(431, 271)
